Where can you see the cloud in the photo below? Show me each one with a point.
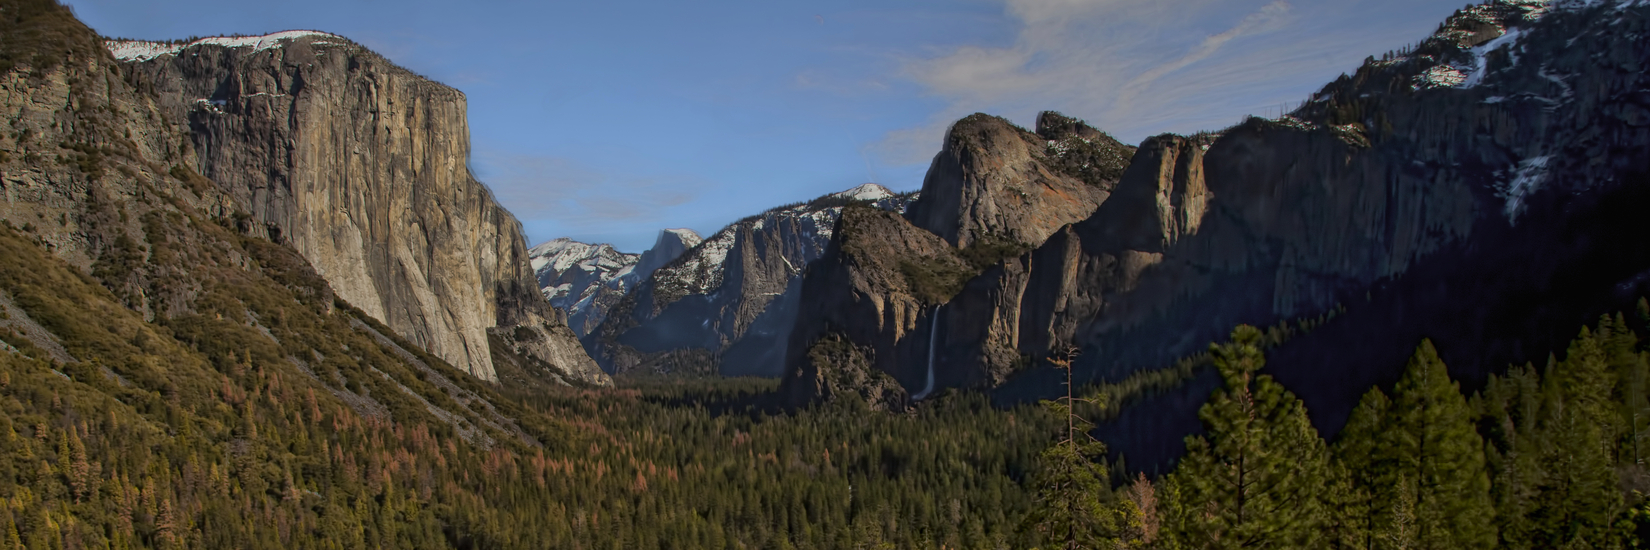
(1270, 17)
(568, 197)
(1140, 68)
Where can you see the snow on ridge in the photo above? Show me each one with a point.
(1471, 72)
(689, 237)
(1480, 55)
(1439, 76)
(700, 270)
(563, 253)
(143, 50)
(865, 192)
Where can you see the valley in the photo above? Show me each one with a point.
(252, 295)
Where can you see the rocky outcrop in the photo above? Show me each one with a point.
(876, 292)
(1467, 190)
(727, 305)
(360, 166)
(586, 280)
(581, 279)
(671, 244)
(994, 181)
(994, 192)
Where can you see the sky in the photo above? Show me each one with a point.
(608, 121)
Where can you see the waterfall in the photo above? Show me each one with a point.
(933, 333)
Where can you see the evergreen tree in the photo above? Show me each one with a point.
(1257, 478)
(1363, 506)
(1578, 500)
(1432, 444)
(1074, 506)
(1509, 409)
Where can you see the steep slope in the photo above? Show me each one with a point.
(727, 305)
(586, 280)
(671, 244)
(360, 166)
(576, 276)
(1474, 189)
(186, 377)
(993, 192)
(896, 274)
(994, 181)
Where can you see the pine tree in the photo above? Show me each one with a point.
(1578, 499)
(1072, 509)
(1362, 506)
(1257, 478)
(1509, 409)
(1432, 443)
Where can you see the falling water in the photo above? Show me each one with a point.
(933, 331)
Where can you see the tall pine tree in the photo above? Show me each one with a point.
(1075, 505)
(1431, 443)
(1257, 479)
(1364, 505)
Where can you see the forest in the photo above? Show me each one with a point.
(196, 433)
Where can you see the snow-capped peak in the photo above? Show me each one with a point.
(143, 50)
(866, 192)
(688, 237)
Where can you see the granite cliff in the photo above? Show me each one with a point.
(886, 283)
(726, 305)
(994, 181)
(1475, 189)
(361, 166)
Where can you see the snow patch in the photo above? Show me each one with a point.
(1527, 178)
(1480, 55)
(867, 192)
(142, 50)
(1439, 76)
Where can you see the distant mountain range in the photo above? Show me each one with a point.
(585, 280)
(721, 306)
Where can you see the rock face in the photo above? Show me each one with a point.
(359, 165)
(586, 280)
(1471, 190)
(996, 181)
(671, 244)
(994, 191)
(727, 305)
(872, 308)
(581, 278)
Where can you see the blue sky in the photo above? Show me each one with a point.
(607, 121)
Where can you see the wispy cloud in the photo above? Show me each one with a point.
(1142, 68)
(568, 197)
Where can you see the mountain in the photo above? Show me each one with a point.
(994, 191)
(671, 244)
(585, 280)
(726, 305)
(993, 181)
(1478, 189)
(360, 166)
(575, 277)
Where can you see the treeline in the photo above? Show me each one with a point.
(273, 416)
(1549, 457)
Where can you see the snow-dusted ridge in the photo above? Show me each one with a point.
(700, 270)
(564, 265)
(866, 192)
(143, 50)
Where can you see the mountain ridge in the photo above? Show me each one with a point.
(729, 300)
(1273, 220)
